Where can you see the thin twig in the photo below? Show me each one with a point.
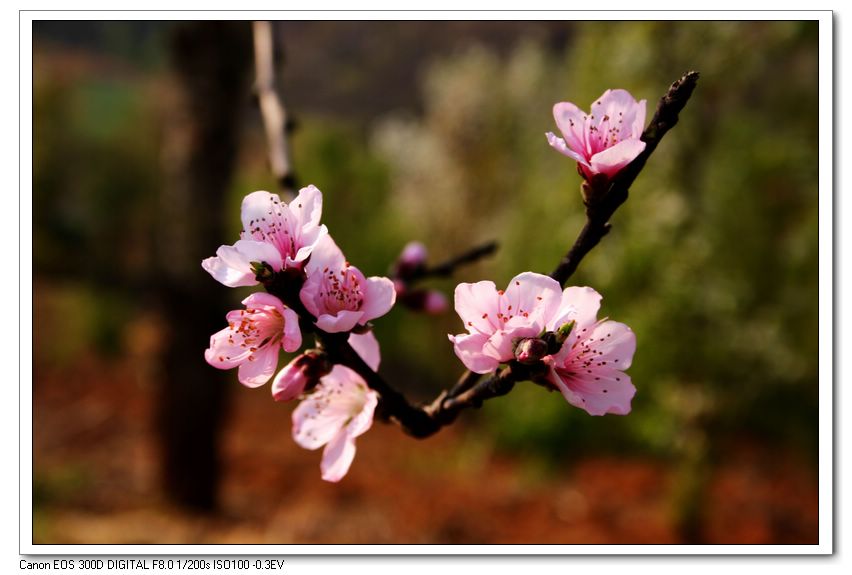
(272, 108)
(448, 267)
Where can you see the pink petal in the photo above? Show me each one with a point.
(308, 241)
(578, 304)
(337, 457)
(264, 299)
(226, 274)
(253, 251)
(616, 342)
(572, 121)
(309, 294)
(500, 345)
(613, 159)
(476, 305)
(344, 320)
(289, 382)
(307, 207)
(366, 345)
(292, 334)
(534, 294)
(379, 297)
(364, 420)
(222, 354)
(316, 420)
(325, 254)
(470, 350)
(620, 104)
(605, 390)
(639, 119)
(255, 207)
(559, 145)
(257, 372)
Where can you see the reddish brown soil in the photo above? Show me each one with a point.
(96, 482)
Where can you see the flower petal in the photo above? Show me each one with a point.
(226, 274)
(366, 345)
(534, 294)
(379, 297)
(256, 372)
(603, 391)
(364, 419)
(292, 339)
(306, 207)
(613, 159)
(254, 251)
(255, 212)
(317, 419)
(309, 241)
(222, 353)
(344, 320)
(615, 343)
(264, 299)
(476, 305)
(580, 304)
(325, 254)
(622, 105)
(337, 457)
(470, 350)
(572, 121)
(289, 382)
(501, 344)
(560, 146)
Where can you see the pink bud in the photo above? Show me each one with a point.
(290, 381)
(412, 258)
(530, 350)
(435, 303)
(300, 375)
(428, 301)
(413, 254)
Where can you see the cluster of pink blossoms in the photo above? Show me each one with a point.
(532, 321)
(289, 237)
(588, 367)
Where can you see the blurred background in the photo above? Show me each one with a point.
(147, 136)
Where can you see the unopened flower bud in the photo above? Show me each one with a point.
(429, 301)
(435, 303)
(530, 350)
(300, 375)
(412, 259)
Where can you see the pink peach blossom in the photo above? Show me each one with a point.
(495, 318)
(281, 235)
(339, 410)
(338, 294)
(605, 140)
(254, 337)
(589, 368)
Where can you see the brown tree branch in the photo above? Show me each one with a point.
(272, 108)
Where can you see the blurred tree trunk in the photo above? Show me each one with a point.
(212, 65)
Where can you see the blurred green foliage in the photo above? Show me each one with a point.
(712, 261)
